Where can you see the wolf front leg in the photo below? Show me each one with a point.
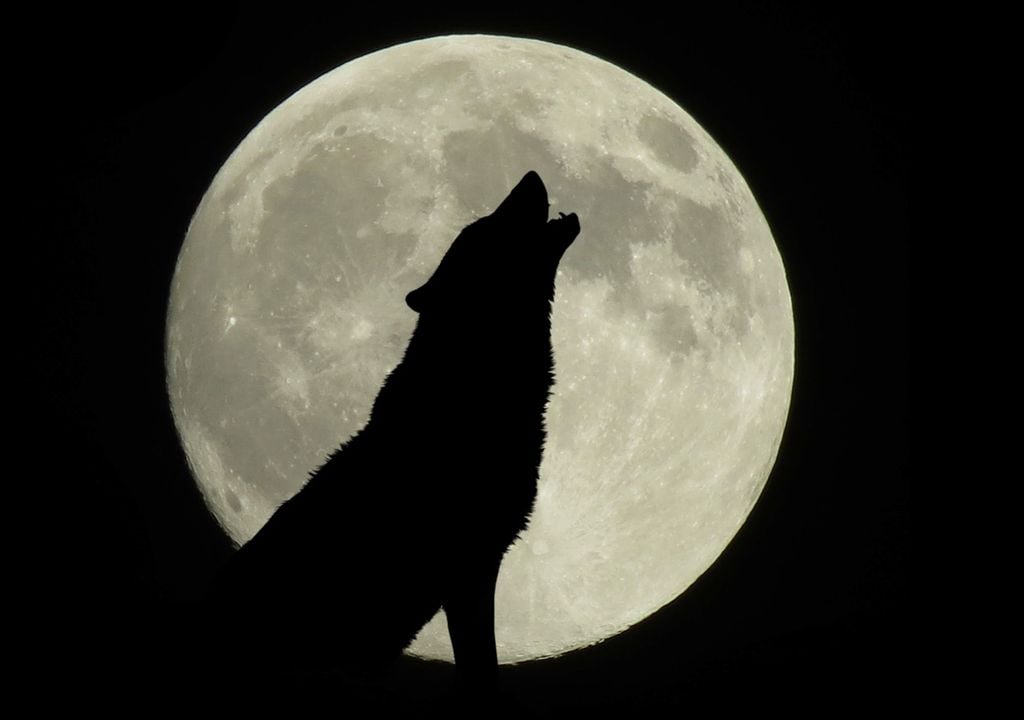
(469, 607)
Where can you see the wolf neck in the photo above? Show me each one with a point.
(488, 365)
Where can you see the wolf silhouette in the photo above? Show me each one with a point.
(415, 512)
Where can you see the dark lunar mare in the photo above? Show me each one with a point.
(416, 511)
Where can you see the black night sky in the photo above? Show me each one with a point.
(128, 119)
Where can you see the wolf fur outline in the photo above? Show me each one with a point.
(416, 511)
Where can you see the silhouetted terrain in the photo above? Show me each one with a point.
(417, 510)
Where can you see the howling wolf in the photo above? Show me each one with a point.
(416, 511)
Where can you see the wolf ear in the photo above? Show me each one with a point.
(414, 299)
(419, 298)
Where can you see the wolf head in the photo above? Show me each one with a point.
(504, 261)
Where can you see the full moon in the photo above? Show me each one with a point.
(672, 325)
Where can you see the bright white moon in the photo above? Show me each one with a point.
(672, 327)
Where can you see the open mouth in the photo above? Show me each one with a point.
(565, 223)
(562, 230)
(527, 206)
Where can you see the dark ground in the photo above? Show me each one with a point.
(120, 132)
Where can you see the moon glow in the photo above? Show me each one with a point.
(672, 324)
